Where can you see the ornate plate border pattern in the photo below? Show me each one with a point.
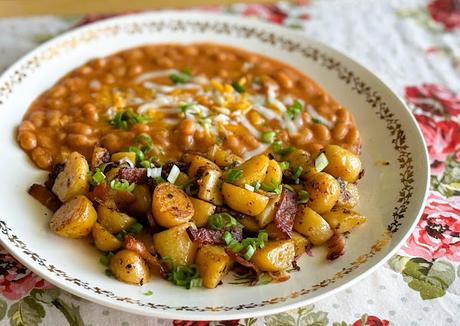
(354, 82)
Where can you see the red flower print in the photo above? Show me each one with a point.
(270, 13)
(372, 321)
(442, 138)
(434, 99)
(446, 12)
(16, 281)
(438, 231)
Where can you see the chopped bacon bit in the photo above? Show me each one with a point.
(103, 194)
(131, 243)
(57, 168)
(245, 263)
(204, 236)
(133, 175)
(336, 246)
(286, 210)
(45, 197)
(100, 156)
(279, 276)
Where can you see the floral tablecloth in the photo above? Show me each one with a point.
(414, 46)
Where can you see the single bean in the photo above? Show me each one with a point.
(165, 62)
(115, 61)
(57, 104)
(186, 142)
(352, 136)
(314, 149)
(187, 127)
(98, 63)
(321, 132)
(255, 118)
(85, 70)
(339, 131)
(78, 140)
(26, 125)
(134, 55)
(134, 70)
(77, 99)
(80, 128)
(27, 140)
(190, 50)
(45, 140)
(42, 157)
(58, 91)
(284, 80)
(75, 84)
(37, 118)
(119, 71)
(303, 138)
(108, 78)
(140, 128)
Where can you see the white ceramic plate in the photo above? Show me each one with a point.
(392, 196)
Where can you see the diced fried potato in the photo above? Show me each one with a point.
(274, 173)
(113, 220)
(312, 225)
(120, 155)
(198, 162)
(129, 267)
(243, 200)
(209, 187)
(73, 180)
(202, 211)
(254, 170)
(103, 239)
(182, 178)
(349, 197)
(300, 157)
(171, 206)
(249, 223)
(74, 219)
(176, 244)
(275, 256)
(324, 192)
(268, 213)
(213, 263)
(342, 219)
(222, 157)
(143, 202)
(342, 163)
(112, 173)
(274, 233)
(300, 243)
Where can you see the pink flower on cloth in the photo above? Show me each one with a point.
(435, 99)
(372, 321)
(16, 281)
(438, 231)
(442, 138)
(270, 13)
(446, 12)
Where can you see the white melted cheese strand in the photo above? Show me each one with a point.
(245, 122)
(259, 150)
(169, 89)
(154, 74)
(290, 126)
(269, 114)
(315, 115)
(156, 103)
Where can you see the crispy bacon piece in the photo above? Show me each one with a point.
(131, 243)
(45, 197)
(245, 263)
(100, 156)
(105, 195)
(133, 175)
(336, 246)
(57, 168)
(286, 210)
(204, 236)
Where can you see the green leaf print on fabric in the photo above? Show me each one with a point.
(247, 322)
(430, 279)
(449, 183)
(3, 308)
(26, 312)
(301, 317)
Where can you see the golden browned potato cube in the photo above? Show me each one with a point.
(104, 240)
(112, 173)
(209, 187)
(268, 213)
(300, 243)
(222, 157)
(129, 267)
(198, 162)
(324, 191)
(202, 211)
(143, 202)
(176, 244)
(74, 219)
(300, 157)
(253, 170)
(213, 263)
(312, 225)
(342, 219)
(349, 197)
(113, 220)
(243, 200)
(73, 179)
(342, 163)
(274, 173)
(275, 256)
(171, 206)
(249, 223)
(123, 155)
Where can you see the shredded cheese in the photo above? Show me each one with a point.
(259, 150)
(154, 74)
(315, 115)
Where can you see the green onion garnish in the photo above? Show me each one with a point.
(277, 148)
(297, 172)
(321, 162)
(318, 121)
(256, 186)
(238, 87)
(288, 187)
(303, 197)
(294, 109)
(222, 220)
(105, 258)
(97, 177)
(126, 118)
(235, 246)
(185, 107)
(122, 185)
(227, 237)
(135, 228)
(250, 250)
(271, 187)
(232, 175)
(186, 276)
(249, 187)
(181, 77)
(139, 153)
(268, 137)
(284, 165)
(148, 293)
(173, 174)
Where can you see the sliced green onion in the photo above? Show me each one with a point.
(235, 246)
(181, 77)
(222, 220)
(148, 293)
(196, 282)
(297, 172)
(257, 186)
(126, 118)
(144, 139)
(268, 137)
(238, 87)
(277, 148)
(284, 165)
(250, 250)
(321, 162)
(185, 107)
(108, 272)
(139, 153)
(135, 228)
(154, 172)
(159, 180)
(227, 237)
(173, 174)
(97, 177)
(288, 187)
(105, 258)
(122, 185)
(232, 175)
(318, 121)
(303, 197)
(249, 187)
(294, 109)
